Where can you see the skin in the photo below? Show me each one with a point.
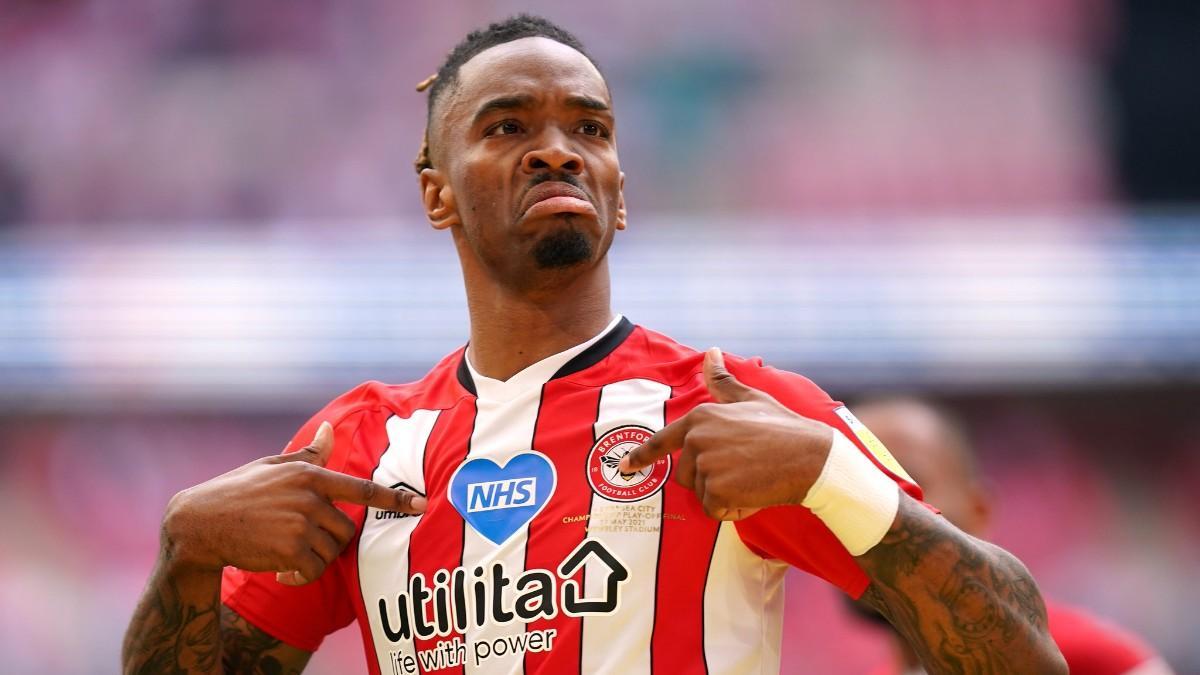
(483, 166)
(934, 451)
(519, 114)
(961, 604)
(937, 453)
(273, 514)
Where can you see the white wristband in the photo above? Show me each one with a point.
(853, 497)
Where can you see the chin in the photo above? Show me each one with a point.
(562, 249)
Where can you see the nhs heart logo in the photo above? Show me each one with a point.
(498, 501)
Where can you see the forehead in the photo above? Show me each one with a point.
(537, 66)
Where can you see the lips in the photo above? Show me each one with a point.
(553, 197)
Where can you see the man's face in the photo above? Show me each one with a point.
(525, 161)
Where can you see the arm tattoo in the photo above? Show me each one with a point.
(181, 627)
(171, 633)
(250, 651)
(964, 605)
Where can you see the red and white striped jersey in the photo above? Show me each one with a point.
(536, 554)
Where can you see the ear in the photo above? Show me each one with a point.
(621, 203)
(981, 506)
(438, 198)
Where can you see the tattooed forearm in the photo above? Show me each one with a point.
(964, 605)
(250, 651)
(180, 626)
(175, 626)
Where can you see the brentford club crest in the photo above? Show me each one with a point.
(605, 475)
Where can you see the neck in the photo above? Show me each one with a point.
(512, 329)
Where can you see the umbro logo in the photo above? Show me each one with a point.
(384, 515)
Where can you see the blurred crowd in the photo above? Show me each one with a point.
(139, 114)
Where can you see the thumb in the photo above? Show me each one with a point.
(317, 452)
(723, 386)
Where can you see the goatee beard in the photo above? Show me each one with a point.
(562, 248)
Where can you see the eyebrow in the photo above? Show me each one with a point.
(587, 103)
(520, 101)
(504, 103)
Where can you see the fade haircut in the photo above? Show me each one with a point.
(512, 28)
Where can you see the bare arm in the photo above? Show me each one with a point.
(251, 651)
(175, 628)
(180, 626)
(964, 605)
(273, 514)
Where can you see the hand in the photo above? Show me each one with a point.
(275, 514)
(745, 452)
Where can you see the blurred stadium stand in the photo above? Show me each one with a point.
(209, 227)
(244, 322)
(128, 114)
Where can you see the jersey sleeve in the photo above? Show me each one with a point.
(301, 616)
(793, 534)
(1092, 646)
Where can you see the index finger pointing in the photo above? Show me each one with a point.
(664, 442)
(342, 488)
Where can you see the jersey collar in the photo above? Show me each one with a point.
(564, 363)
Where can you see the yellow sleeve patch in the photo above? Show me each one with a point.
(874, 445)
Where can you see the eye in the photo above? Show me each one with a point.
(593, 129)
(505, 128)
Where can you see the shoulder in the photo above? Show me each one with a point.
(359, 416)
(679, 365)
(650, 355)
(438, 389)
(792, 389)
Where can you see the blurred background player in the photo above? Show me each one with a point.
(936, 449)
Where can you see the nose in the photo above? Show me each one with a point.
(552, 153)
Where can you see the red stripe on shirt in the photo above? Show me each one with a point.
(564, 434)
(677, 642)
(372, 434)
(437, 541)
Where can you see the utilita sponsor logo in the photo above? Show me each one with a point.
(462, 598)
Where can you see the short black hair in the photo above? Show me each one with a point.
(498, 33)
